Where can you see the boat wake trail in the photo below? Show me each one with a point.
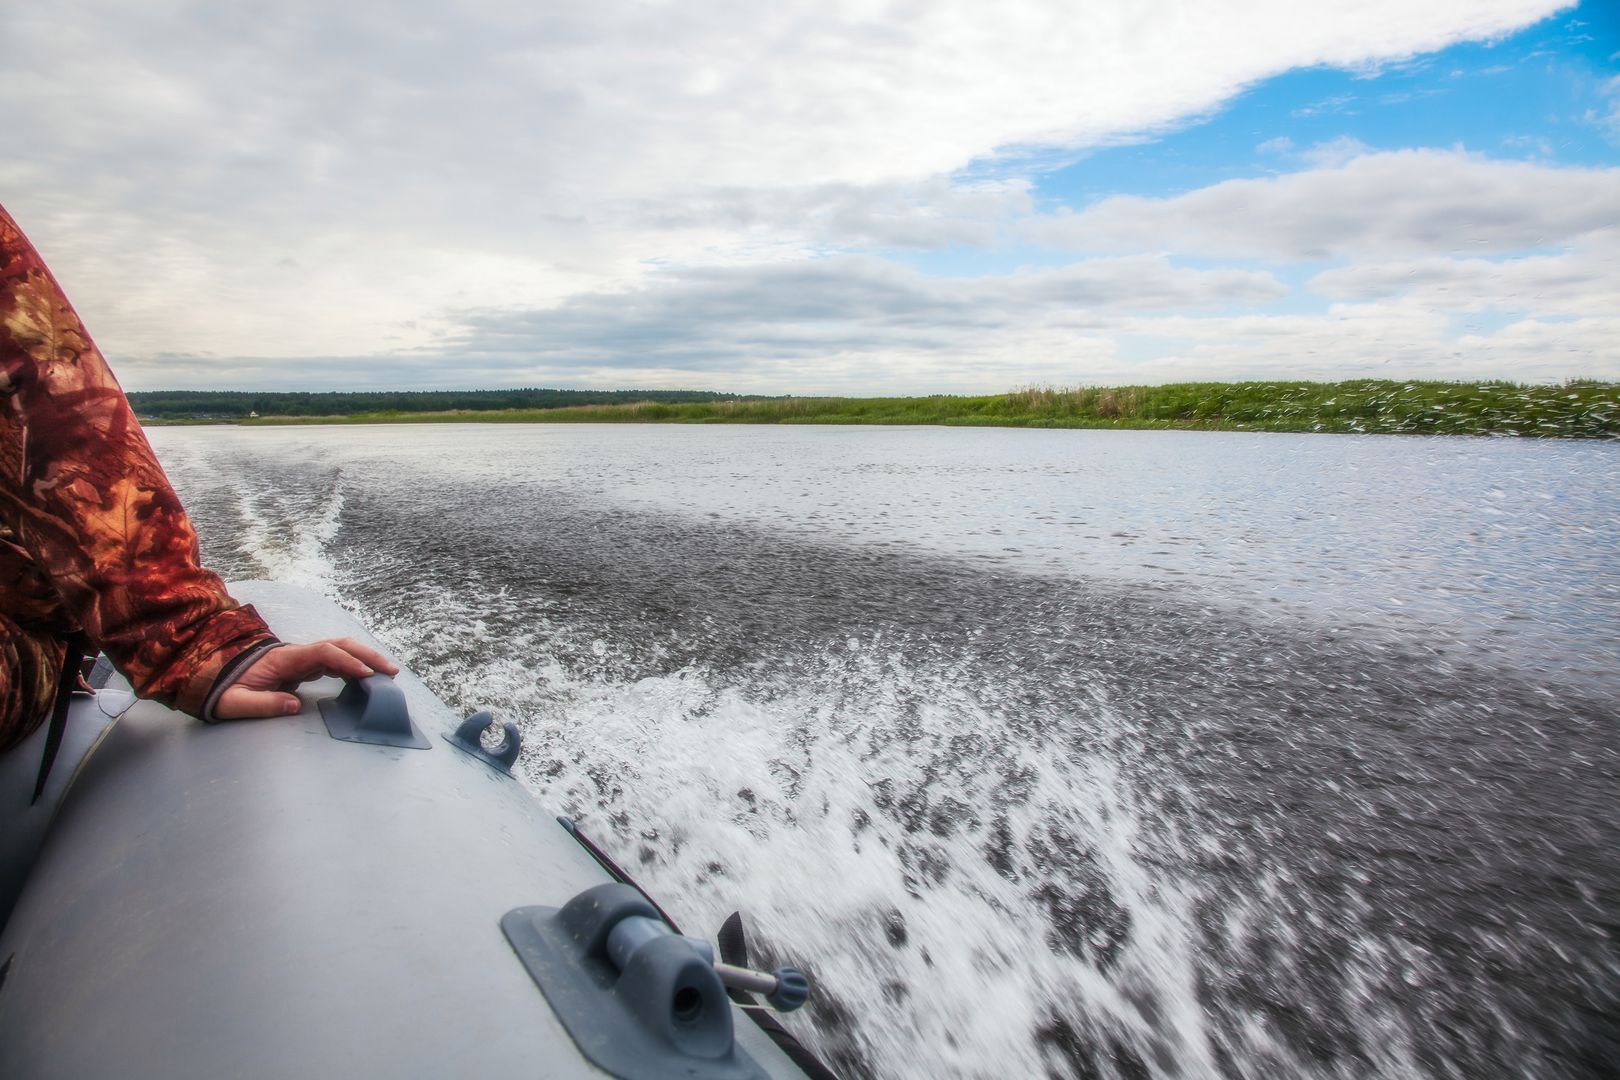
(1013, 824)
(273, 520)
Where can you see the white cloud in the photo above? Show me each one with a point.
(661, 194)
(850, 324)
(1607, 119)
(1336, 105)
(864, 325)
(1391, 340)
(1545, 349)
(1335, 152)
(923, 214)
(1401, 202)
(1529, 144)
(599, 97)
(306, 178)
(1324, 154)
(854, 323)
(1374, 341)
(1582, 281)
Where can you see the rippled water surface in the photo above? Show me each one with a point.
(1068, 753)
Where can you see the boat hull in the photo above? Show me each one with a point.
(261, 899)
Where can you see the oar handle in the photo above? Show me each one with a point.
(786, 988)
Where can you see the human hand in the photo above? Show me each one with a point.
(261, 690)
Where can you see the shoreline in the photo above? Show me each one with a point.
(1578, 409)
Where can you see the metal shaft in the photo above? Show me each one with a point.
(754, 982)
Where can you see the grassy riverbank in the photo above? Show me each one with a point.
(1578, 409)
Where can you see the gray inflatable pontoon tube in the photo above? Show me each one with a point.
(344, 892)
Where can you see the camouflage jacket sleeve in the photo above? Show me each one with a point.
(92, 536)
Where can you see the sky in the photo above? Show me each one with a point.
(834, 197)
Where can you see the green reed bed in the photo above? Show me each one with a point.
(1577, 409)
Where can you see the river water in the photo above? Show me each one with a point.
(1068, 753)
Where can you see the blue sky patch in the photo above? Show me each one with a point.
(1537, 95)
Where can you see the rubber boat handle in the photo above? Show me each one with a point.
(371, 710)
(376, 703)
(648, 1006)
(785, 989)
(469, 738)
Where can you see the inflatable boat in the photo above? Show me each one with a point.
(361, 889)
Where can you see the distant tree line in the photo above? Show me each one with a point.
(224, 404)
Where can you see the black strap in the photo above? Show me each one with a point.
(77, 646)
(789, 1044)
(733, 942)
(615, 871)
